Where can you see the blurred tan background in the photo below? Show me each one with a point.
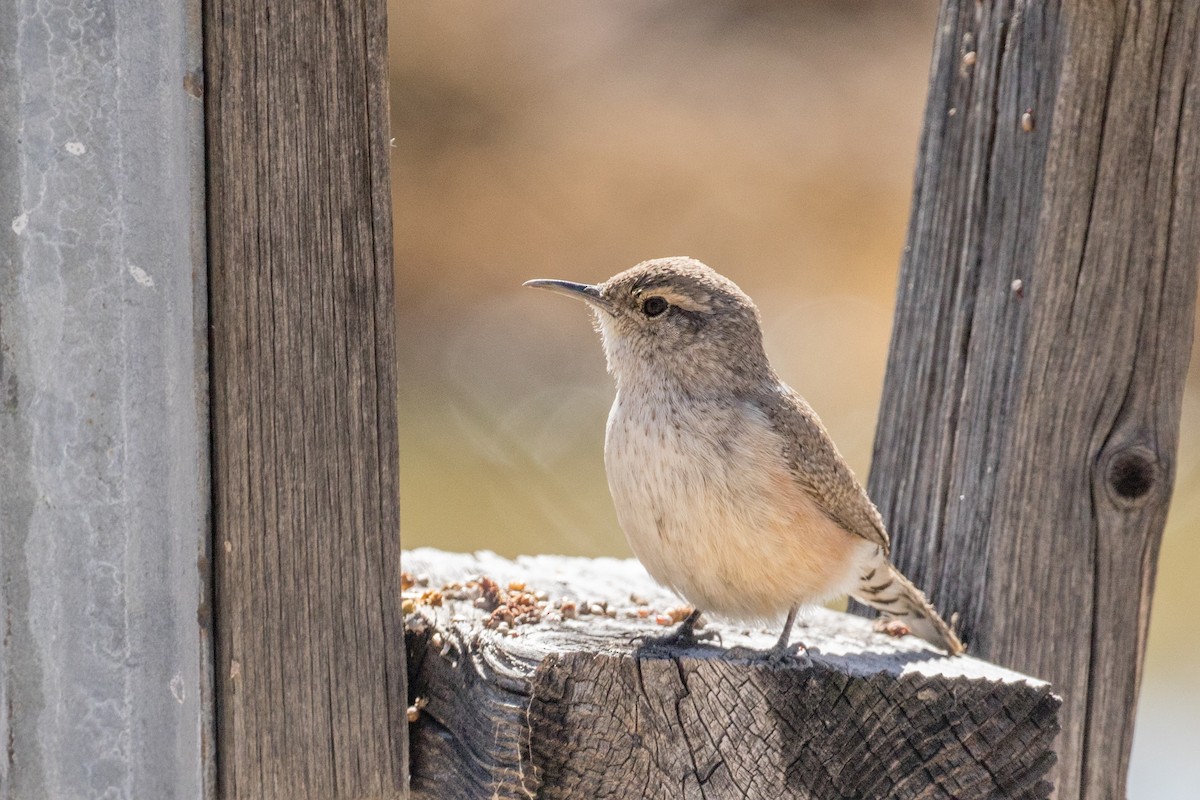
(774, 141)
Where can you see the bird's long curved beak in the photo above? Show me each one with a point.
(582, 291)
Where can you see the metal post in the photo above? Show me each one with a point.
(104, 660)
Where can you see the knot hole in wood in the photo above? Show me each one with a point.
(1131, 474)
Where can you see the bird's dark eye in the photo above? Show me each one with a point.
(654, 306)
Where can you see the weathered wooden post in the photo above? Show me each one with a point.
(104, 655)
(1026, 447)
(310, 669)
(107, 658)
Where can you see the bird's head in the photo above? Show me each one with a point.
(676, 321)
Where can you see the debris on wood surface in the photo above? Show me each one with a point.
(536, 679)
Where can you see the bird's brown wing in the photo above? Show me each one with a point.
(819, 468)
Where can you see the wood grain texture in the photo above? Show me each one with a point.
(310, 664)
(572, 708)
(1026, 447)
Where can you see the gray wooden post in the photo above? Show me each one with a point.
(310, 669)
(104, 678)
(1026, 446)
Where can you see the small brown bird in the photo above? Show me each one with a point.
(727, 486)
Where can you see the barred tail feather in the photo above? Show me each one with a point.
(883, 588)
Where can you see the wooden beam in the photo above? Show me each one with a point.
(310, 663)
(520, 695)
(1026, 447)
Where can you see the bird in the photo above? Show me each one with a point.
(728, 487)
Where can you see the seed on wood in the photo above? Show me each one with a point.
(1027, 120)
(681, 613)
(490, 592)
(968, 58)
(1018, 288)
(891, 627)
(414, 711)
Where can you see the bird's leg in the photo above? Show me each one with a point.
(779, 653)
(687, 629)
(782, 651)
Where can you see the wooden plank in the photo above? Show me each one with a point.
(105, 658)
(1026, 447)
(571, 708)
(310, 665)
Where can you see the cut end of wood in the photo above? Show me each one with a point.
(532, 677)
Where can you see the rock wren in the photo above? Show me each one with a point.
(727, 486)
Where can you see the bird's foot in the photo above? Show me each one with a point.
(787, 654)
(684, 636)
(675, 640)
(778, 655)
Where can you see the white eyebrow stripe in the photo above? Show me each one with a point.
(684, 301)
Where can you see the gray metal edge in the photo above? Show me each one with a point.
(105, 668)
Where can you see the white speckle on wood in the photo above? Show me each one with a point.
(19, 222)
(76, 148)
